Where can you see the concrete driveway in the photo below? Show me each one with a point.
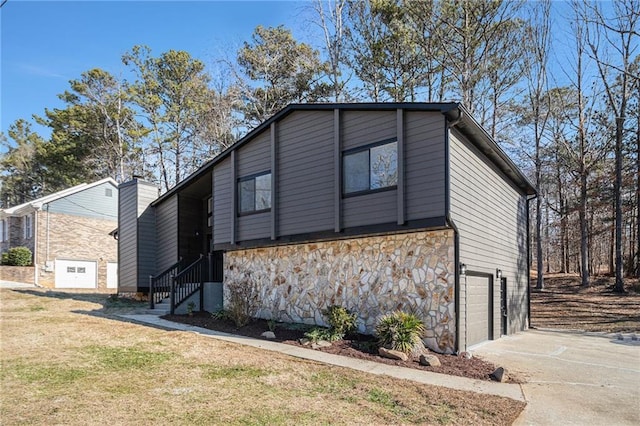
(572, 378)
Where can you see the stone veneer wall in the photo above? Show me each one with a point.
(370, 276)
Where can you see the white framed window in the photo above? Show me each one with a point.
(28, 226)
(370, 168)
(3, 230)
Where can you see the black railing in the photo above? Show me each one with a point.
(188, 282)
(160, 285)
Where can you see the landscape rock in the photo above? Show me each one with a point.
(304, 341)
(268, 335)
(430, 361)
(391, 354)
(320, 344)
(500, 375)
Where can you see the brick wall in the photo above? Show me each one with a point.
(20, 274)
(69, 237)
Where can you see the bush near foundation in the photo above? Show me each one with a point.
(243, 300)
(400, 331)
(17, 256)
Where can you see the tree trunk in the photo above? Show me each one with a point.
(619, 287)
(584, 230)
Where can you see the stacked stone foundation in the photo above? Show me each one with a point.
(370, 276)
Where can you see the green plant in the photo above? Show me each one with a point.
(341, 321)
(221, 315)
(190, 307)
(319, 333)
(400, 331)
(272, 324)
(17, 256)
(243, 299)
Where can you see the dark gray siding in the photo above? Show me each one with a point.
(128, 238)
(364, 127)
(222, 197)
(146, 234)
(91, 202)
(253, 158)
(425, 164)
(491, 217)
(167, 231)
(370, 209)
(305, 172)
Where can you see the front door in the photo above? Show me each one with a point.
(503, 306)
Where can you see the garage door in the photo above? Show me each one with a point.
(75, 274)
(112, 275)
(478, 308)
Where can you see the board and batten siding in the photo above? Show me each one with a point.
(100, 201)
(222, 199)
(425, 164)
(167, 237)
(490, 214)
(253, 158)
(305, 193)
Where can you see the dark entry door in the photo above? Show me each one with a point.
(503, 306)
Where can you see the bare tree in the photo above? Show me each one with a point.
(617, 35)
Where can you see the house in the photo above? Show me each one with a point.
(375, 207)
(68, 234)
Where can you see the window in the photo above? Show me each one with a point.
(108, 192)
(28, 226)
(3, 230)
(71, 269)
(254, 193)
(370, 168)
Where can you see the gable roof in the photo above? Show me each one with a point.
(39, 202)
(455, 112)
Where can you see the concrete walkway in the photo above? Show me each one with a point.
(508, 390)
(14, 284)
(573, 378)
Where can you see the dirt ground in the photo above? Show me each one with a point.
(564, 304)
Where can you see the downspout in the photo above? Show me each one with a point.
(35, 246)
(449, 123)
(529, 199)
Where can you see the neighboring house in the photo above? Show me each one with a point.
(375, 207)
(68, 234)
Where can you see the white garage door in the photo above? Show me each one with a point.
(112, 275)
(75, 274)
(478, 307)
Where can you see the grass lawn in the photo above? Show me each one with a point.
(65, 360)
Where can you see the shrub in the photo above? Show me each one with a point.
(400, 331)
(243, 300)
(320, 333)
(341, 321)
(17, 256)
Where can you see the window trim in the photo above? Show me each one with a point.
(239, 197)
(362, 148)
(28, 218)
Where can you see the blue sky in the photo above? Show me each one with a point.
(44, 44)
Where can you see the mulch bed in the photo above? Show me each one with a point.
(355, 346)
